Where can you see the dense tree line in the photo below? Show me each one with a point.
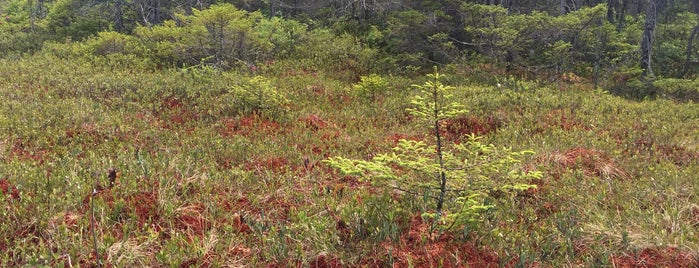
(598, 39)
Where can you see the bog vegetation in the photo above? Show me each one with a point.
(349, 133)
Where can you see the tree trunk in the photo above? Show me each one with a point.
(156, 12)
(188, 5)
(40, 10)
(647, 38)
(688, 61)
(612, 7)
(441, 176)
(37, 12)
(621, 14)
(118, 16)
(32, 15)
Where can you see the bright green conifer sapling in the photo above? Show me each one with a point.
(457, 177)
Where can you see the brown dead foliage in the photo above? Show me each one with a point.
(679, 155)
(456, 129)
(145, 205)
(85, 131)
(416, 248)
(669, 257)
(69, 219)
(694, 215)
(314, 122)
(240, 225)
(9, 190)
(173, 113)
(191, 219)
(25, 150)
(200, 262)
(534, 198)
(395, 137)
(591, 162)
(236, 206)
(276, 207)
(325, 261)
(562, 119)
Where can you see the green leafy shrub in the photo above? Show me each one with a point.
(109, 42)
(67, 18)
(281, 36)
(680, 89)
(342, 56)
(370, 86)
(255, 95)
(222, 34)
(458, 178)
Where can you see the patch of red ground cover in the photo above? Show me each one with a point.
(353, 182)
(395, 137)
(145, 206)
(314, 122)
(87, 131)
(591, 162)
(240, 225)
(191, 218)
(677, 154)
(9, 190)
(669, 257)
(456, 129)
(285, 264)
(276, 208)
(318, 90)
(174, 113)
(69, 219)
(171, 103)
(200, 262)
(694, 216)
(533, 198)
(104, 194)
(242, 204)
(240, 251)
(246, 125)
(563, 119)
(325, 261)
(341, 186)
(237, 207)
(24, 150)
(444, 251)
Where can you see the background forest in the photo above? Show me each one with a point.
(613, 41)
(349, 133)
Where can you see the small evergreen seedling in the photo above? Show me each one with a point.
(370, 86)
(458, 177)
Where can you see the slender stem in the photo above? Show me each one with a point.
(92, 226)
(442, 177)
